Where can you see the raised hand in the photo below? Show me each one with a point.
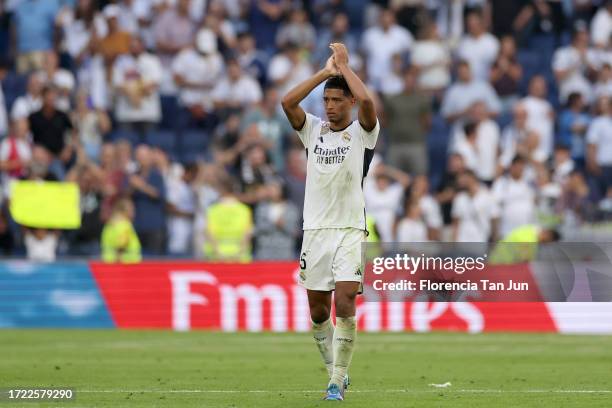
(341, 57)
(330, 66)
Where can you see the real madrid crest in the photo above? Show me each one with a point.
(346, 136)
(324, 128)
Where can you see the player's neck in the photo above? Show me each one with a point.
(340, 126)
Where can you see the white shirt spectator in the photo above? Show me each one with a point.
(41, 250)
(568, 58)
(136, 71)
(434, 56)
(603, 89)
(64, 81)
(380, 46)
(383, 205)
(430, 212)
(197, 68)
(480, 52)
(481, 158)
(245, 91)
(410, 230)
(461, 95)
(474, 215)
(540, 119)
(516, 200)
(180, 229)
(282, 67)
(24, 106)
(601, 27)
(600, 135)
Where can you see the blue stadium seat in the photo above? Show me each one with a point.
(162, 138)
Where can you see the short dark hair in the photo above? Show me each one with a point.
(338, 82)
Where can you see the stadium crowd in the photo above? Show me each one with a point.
(494, 114)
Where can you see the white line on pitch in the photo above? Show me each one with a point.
(398, 391)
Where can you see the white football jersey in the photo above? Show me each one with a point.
(337, 163)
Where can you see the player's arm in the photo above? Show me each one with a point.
(367, 110)
(291, 101)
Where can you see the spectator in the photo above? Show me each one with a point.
(255, 172)
(60, 78)
(236, 90)
(119, 240)
(181, 207)
(603, 86)
(174, 31)
(338, 31)
(599, 146)
(80, 25)
(574, 204)
(113, 178)
(449, 186)
(117, 41)
(518, 139)
(383, 197)
(41, 244)
(540, 116)
(206, 195)
(297, 30)
(216, 21)
(478, 143)
(380, 43)
(431, 59)
(149, 196)
(601, 25)
(295, 177)
(475, 211)
(288, 68)
(573, 124)
(250, 58)
(264, 21)
(515, 198)
(15, 154)
(478, 47)
(276, 225)
(563, 164)
(34, 27)
(461, 95)
(407, 118)
(91, 125)
(50, 128)
(411, 227)
(571, 67)
(229, 227)
(29, 103)
(136, 78)
(196, 71)
(506, 73)
(272, 125)
(393, 83)
(428, 206)
(85, 241)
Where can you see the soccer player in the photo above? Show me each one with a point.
(339, 152)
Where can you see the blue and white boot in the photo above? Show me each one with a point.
(334, 393)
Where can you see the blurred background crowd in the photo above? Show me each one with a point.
(495, 114)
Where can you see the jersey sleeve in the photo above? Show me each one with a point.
(310, 125)
(370, 138)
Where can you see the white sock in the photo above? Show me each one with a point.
(344, 342)
(323, 334)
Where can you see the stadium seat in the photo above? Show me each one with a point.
(163, 138)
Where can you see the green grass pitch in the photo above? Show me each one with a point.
(113, 368)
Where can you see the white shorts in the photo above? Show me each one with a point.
(331, 255)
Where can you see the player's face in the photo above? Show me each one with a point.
(337, 104)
